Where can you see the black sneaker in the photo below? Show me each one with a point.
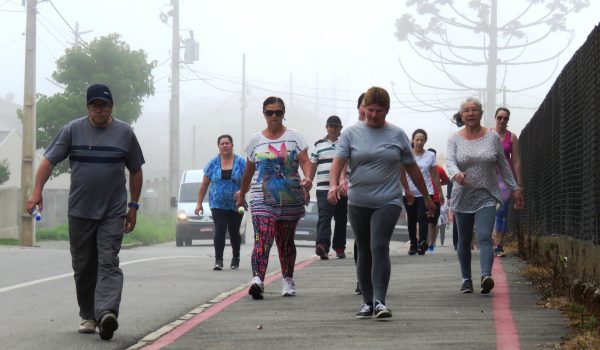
(340, 253)
(108, 326)
(235, 263)
(422, 248)
(487, 284)
(320, 251)
(381, 311)
(467, 287)
(366, 311)
(218, 265)
(357, 291)
(412, 250)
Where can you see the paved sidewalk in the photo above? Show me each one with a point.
(428, 311)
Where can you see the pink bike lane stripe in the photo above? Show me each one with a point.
(507, 337)
(188, 325)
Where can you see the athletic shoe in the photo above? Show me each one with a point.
(108, 326)
(499, 251)
(412, 250)
(321, 251)
(487, 284)
(218, 265)
(87, 326)
(235, 263)
(422, 248)
(340, 254)
(381, 311)
(430, 249)
(366, 311)
(256, 288)
(467, 287)
(289, 287)
(357, 291)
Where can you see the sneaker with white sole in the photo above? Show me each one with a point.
(288, 287)
(257, 288)
(467, 286)
(381, 311)
(487, 283)
(365, 311)
(87, 326)
(108, 326)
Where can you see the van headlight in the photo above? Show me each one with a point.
(182, 216)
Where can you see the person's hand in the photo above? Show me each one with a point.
(236, 196)
(461, 179)
(306, 198)
(519, 199)
(198, 209)
(430, 206)
(240, 202)
(130, 220)
(410, 197)
(306, 184)
(35, 199)
(343, 188)
(333, 195)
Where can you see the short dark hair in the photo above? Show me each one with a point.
(419, 131)
(273, 99)
(224, 136)
(360, 100)
(457, 119)
(502, 109)
(432, 150)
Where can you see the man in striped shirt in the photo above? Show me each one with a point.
(321, 159)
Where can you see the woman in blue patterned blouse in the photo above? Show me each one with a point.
(224, 175)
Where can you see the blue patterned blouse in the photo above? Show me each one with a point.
(220, 192)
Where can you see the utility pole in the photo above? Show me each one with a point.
(78, 34)
(27, 228)
(174, 104)
(490, 104)
(243, 136)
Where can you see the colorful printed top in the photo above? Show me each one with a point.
(221, 191)
(275, 188)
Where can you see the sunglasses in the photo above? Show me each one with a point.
(100, 106)
(278, 113)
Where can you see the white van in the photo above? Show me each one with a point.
(189, 225)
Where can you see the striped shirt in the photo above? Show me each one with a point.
(322, 155)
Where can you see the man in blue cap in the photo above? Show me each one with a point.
(99, 148)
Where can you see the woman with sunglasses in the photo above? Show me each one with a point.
(510, 145)
(277, 194)
(475, 156)
(223, 174)
(376, 151)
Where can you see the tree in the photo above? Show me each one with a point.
(454, 39)
(107, 60)
(4, 171)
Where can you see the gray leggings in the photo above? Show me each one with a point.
(373, 229)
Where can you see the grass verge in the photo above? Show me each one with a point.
(148, 230)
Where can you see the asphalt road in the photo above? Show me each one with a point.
(162, 283)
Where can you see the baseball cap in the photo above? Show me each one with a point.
(99, 92)
(334, 120)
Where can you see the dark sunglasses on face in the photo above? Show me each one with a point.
(100, 106)
(269, 113)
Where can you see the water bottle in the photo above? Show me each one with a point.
(241, 210)
(36, 213)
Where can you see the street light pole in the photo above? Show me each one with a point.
(174, 104)
(27, 228)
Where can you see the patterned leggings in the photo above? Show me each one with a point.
(267, 229)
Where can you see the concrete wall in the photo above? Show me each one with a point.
(9, 223)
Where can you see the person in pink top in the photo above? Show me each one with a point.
(510, 145)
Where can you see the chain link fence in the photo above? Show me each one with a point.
(560, 152)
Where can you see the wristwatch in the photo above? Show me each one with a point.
(133, 205)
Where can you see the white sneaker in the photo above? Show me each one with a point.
(257, 287)
(87, 326)
(289, 287)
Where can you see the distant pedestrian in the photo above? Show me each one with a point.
(474, 156)
(100, 148)
(416, 213)
(510, 145)
(442, 222)
(321, 159)
(222, 179)
(375, 150)
(439, 200)
(277, 194)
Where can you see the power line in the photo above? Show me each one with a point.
(67, 23)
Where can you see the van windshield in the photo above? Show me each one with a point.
(189, 192)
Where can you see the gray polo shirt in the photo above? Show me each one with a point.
(97, 158)
(374, 157)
